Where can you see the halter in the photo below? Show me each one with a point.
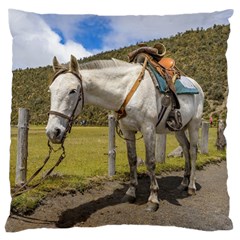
(80, 97)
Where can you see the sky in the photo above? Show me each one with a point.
(39, 37)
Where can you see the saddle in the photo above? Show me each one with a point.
(166, 67)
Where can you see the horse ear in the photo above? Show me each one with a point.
(73, 64)
(56, 65)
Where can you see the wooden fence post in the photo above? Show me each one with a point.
(221, 140)
(111, 145)
(204, 138)
(160, 148)
(22, 146)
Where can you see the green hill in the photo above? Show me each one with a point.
(199, 53)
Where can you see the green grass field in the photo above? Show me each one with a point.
(86, 162)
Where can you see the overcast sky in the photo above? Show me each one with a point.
(37, 38)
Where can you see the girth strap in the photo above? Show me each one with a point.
(122, 112)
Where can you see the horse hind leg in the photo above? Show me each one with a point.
(193, 136)
(184, 143)
(190, 155)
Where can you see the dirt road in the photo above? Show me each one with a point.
(208, 210)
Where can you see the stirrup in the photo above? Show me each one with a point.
(174, 120)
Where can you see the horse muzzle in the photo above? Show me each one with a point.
(55, 134)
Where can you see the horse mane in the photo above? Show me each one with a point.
(99, 64)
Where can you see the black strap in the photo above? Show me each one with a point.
(59, 114)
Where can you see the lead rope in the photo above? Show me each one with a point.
(25, 187)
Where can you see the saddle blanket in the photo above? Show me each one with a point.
(182, 85)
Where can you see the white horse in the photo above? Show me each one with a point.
(107, 86)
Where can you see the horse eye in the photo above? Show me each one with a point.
(73, 91)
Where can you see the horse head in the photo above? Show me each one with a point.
(66, 99)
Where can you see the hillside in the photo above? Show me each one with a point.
(200, 54)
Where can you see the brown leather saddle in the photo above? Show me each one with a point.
(166, 67)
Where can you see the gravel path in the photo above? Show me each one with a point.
(208, 210)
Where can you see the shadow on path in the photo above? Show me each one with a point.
(168, 191)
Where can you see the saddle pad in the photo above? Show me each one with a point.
(182, 85)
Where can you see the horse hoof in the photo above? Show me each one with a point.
(152, 207)
(191, 191)
(128, 198)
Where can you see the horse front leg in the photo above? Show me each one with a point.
(149, 135)
(130, 195)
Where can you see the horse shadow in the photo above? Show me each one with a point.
(168, 192)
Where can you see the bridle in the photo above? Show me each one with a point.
(80, 97)
(25, 187)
